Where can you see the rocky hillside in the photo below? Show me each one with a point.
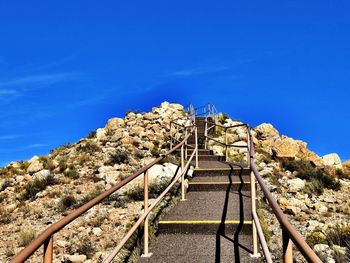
(313, 191)
(38, 192)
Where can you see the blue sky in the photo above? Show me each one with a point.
(66, 67)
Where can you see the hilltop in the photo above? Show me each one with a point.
(314, 191)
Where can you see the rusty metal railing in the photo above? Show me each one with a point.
(289, 234)
(46, 238)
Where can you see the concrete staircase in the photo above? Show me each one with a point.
(214, 223)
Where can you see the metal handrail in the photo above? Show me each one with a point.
(46, 237)
(289, 232)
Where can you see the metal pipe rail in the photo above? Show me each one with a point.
(288, 231)
(46, 237)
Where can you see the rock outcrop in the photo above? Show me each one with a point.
(41, 191)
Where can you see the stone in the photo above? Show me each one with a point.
(19, 178)
(101, 134)
(324, 252)
(148, 145)
(97, 231)
(266, 131)
(111, 177)
(292, 210)
(286, 149)
(295, 185)
(137, 131)
(35, 165)
(321, 208)
(75, 258)
(154, 172)
(41, 175)
(114, 124)
(332, 159)
(218, 150)
(61, 243)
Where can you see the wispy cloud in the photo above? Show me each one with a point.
(44, 79)
(4, 92)
(11, 136)
(35, 145)
(198, 71)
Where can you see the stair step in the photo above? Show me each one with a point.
(212, 205)
(200, 151)
(220, 171)
(219, 186)
(204, 226)
(211, 158)
(180, 248)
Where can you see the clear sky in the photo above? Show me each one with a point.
(66, 67)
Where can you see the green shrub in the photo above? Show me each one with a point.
(139, 154)
(71, 173)
(90, 196)
(66, 201)
(6, 183)
(5, 217)
(315, 185)
(86, 248)
(25, 237)
(37, 185)
(338, 236)
(316, 238)
(305, 170)
(91, 135)
(119, 157)
(47, 162)
(88, 147)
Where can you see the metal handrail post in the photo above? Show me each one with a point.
(287, 247)
(48, 250)
(146, 222)
(196, 145)
(253, 197)
(226, 150)
(183, 174)
(186, 144)
(205, 133)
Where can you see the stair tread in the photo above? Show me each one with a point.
(211, 206)
(225, 179)
(200, 248)
(216, 164)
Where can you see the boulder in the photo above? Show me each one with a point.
(114, 124)
(295, 185)
(35, 165)
(266, 131)
(287, 148)
(332, 159)
(41, 175)
(101, 134)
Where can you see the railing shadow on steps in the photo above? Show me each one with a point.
(46, 240)
(222, 227)
(289, 233)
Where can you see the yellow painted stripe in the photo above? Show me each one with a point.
(215, 169)
(209, 183)
(185, 222)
